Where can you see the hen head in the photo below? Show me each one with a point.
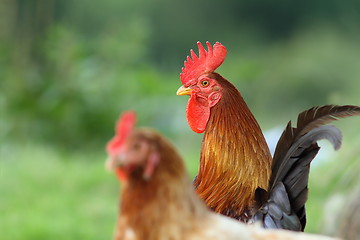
(131, 150)
(202, 84)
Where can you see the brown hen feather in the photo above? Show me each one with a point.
(151, 209)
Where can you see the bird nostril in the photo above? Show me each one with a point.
(120, 160)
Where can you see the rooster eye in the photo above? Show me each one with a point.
(205, 83)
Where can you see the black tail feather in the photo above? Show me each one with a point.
(298, 157)
(307, 120)
(289, 190)
(296, 148)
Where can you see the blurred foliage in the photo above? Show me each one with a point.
(68, 68)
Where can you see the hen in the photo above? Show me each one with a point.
(237, 176)
(157, 198)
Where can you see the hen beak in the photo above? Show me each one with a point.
(183, 91)
(112, 163)
(109, 164)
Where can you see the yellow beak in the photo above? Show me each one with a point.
(113, 162)
(183, 91)
(109, 164)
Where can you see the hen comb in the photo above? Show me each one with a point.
(123, 128)
(208, 61)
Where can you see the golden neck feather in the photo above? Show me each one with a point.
(235, 159)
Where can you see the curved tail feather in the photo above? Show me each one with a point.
(283, 205)
(307, 120)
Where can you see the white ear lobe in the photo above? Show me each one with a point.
(152, 162)
(214, 98)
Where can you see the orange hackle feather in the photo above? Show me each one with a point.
(235, 159)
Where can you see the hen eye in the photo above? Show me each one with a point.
(205, 83)
(136, 146)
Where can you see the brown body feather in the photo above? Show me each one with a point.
(160, 201)
(235, 159)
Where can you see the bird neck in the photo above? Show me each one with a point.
(235, 159)
(153, 208)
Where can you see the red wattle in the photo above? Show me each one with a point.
(197, 113)
(121, 174)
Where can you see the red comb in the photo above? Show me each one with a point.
(124, 126)
(208, 61)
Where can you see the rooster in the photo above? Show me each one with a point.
(158, 201)
(237, 176)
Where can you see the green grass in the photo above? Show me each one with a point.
(49, 195)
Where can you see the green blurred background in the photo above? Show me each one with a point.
(68, 68)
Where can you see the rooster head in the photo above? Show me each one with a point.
(201, 83)
(131, 150)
